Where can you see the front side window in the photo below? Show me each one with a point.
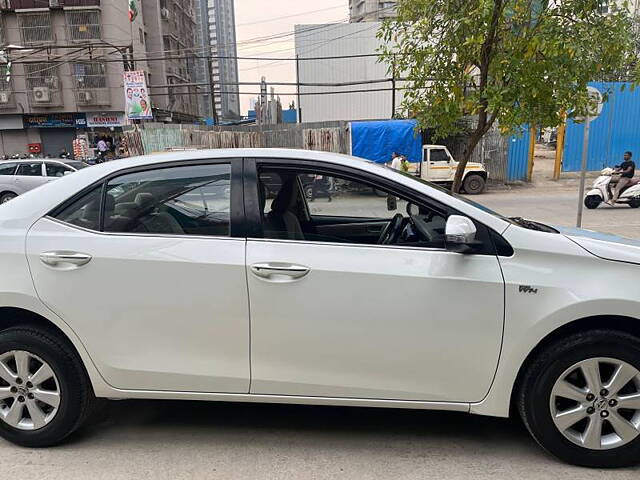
(8, 168)
(30, 169)
(192, 200)
(439, 156)
(314, 206)
(56, 170)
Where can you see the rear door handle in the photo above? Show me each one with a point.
(54, 259)
(276, 271)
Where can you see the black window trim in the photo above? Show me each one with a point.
(254, 218)
(237, 207)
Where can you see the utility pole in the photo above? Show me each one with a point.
(298, 87)
(393, 89)
(214, 112)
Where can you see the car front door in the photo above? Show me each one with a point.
(29, 175)
(155, 286)
(439, 164)
(336, 315)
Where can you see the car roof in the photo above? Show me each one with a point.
(36, 203)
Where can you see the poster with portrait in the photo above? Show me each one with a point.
(137, 103)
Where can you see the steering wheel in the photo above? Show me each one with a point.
(392, 231)
(421, 226)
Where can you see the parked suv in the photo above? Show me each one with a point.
(20, 176)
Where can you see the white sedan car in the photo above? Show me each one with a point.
(182, 276)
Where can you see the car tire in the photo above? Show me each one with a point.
(5, 197)
(543, 406)
(592, 201)
(634, 203)
(474, 184)
(41, 423)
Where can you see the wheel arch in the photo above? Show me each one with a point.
(11, 316)
(619, 323)
(480, 173)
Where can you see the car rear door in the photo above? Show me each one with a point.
(29, 175)
(336, 318)
(155, 284)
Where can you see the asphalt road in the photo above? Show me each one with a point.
(190, 440)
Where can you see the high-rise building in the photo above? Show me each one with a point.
(224, 66)
(371, 10)
(67, 60)
(202, 72)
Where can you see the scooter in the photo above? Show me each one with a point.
(605, 185)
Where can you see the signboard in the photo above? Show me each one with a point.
(55, 120)
(97, 120)
(136, 96)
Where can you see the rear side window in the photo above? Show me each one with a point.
(190, 200)
(57, 170)
(8, 168)
(84, 212)
(30, 169)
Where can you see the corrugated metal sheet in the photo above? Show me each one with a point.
(518, 156)
(343, 40)
(611, 134)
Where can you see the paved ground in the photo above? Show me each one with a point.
(188, 440)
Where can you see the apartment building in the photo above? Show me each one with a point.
(224, 71)
(67, 59)
(371, 10)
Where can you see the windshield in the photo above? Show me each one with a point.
(78, 165)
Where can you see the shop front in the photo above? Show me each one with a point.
(57, 131)
(106, 125)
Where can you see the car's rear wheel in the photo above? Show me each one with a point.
(5, 197)
(634, 203)
(44, 391)
(474, 184)
(580, 399)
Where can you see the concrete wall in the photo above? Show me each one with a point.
(343, 40)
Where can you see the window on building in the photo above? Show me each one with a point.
(90, 75)
(43, 83)
(142, 36)
(35, 27)
(83, 25)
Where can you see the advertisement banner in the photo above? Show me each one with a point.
(96, 120)
(137, 103)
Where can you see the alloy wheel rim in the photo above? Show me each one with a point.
(29, 391)
(595, 403)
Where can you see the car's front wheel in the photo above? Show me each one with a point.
(580, 399)
(44, 391)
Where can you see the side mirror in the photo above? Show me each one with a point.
(460, 234)
(67, 172)
(392, 203)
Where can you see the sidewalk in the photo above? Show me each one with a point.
(543, 175)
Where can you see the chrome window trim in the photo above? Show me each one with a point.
(143, 235)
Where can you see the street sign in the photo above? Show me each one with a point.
(594, 111)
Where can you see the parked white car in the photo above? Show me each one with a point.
(20, 176)
(179, 276)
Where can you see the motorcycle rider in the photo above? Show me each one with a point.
(627, 169)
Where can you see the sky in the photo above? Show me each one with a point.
(254, 19)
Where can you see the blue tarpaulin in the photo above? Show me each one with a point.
(377, 141)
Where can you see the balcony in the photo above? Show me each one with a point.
(7, 97)
(83, 25)
(35, 28)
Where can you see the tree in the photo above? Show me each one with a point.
(513, 62)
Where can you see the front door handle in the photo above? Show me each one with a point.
(55, 259)
(279, 271)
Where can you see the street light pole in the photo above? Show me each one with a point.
(583, 172)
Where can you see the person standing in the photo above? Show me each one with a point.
(396, 161)
(102, 148)
(627, 170)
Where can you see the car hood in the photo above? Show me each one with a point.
(472, 165)
(604, 245)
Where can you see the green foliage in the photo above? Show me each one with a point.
(510, 61)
